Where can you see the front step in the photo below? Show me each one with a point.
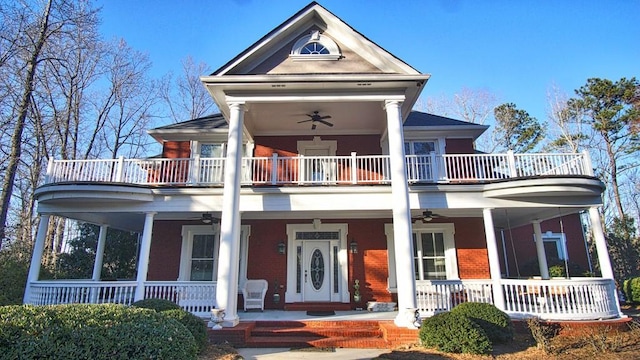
(300, 334)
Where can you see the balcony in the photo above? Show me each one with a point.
(319, 170)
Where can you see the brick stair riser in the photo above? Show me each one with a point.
(371, 332)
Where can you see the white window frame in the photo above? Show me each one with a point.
(188, 232)
(187, 246)
(559, 239)
(315, 37)
(451, 258)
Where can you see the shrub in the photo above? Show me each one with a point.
(195, 325)
(109, 332)
(454, 333)
(631, 289)
(495, 323)
(156, 304)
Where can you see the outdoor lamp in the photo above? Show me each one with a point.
(353, 246)
(281, 248)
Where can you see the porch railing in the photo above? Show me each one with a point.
(197, 297)
(574, 299)
(320, 170)
(52, 292)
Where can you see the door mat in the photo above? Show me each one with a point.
(321, 313)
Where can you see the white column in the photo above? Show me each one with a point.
(229, 253)
(36, 257)
(97, 265)
(143, 261)
(494, 259)
(542, 255)
(601, 244)
(402, 232)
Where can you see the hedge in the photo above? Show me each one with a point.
(100, 332)
(495, 323)
(454, 333)
(631, 289)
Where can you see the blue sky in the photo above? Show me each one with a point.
(514, 49)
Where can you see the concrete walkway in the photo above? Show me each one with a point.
(283, 353)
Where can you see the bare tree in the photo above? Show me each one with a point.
(186, 97)
(36, 26)
(471, 105)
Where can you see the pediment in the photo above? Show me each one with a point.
(272, 54)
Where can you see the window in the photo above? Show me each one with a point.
(434, 253)
(554, 245)
(199, 253)
(428, 256)
(419, 161)
(315, 46)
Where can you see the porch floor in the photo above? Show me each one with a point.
(296, 329)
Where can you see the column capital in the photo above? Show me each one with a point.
(239, 105)
(389, 103)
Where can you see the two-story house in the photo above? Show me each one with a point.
(318, 177)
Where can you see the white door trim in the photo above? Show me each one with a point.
(292, 294)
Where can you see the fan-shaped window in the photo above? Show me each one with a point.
(315, 46)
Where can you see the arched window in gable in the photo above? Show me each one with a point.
(315, 46)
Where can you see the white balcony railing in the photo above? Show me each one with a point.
(320, 170)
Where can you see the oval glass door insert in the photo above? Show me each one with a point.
(316, 269)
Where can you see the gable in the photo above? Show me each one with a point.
(272, 53)
(350, 62)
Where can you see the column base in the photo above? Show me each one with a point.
(407, 318)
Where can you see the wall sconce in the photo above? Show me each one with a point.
(281, 248)
(353, 247)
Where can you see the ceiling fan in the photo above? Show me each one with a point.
(207, 218)
(427, 216)
(315, 118)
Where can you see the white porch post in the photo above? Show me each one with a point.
(402, 232)
(542, 256)
(36, 258)
(494, 259)
(229, 253)
(143, 261)
(601, 244)
(97, 265)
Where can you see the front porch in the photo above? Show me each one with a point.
(556, 299)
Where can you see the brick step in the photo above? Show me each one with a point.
(369, 331)
(314, 341)
(318, 324)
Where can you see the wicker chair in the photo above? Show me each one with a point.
(253, 293)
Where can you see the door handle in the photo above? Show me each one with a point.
(305, 276)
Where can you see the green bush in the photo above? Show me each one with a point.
(14, 266)
(631, 289)
(195, 325)
(109, 332)
(495, 323)
(454, 333)
(156, 304)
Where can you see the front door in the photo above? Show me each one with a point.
(317, 270)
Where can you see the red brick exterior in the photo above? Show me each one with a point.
(459, 146)
(370, 264)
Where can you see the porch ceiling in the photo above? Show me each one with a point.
(503, 218)
(284, 118)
